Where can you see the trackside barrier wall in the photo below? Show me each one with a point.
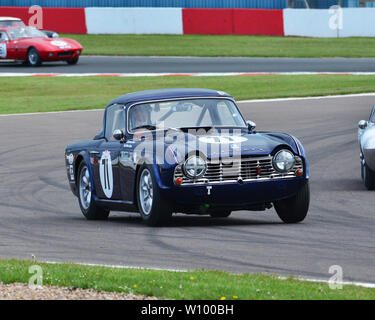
(67, 20)
(134, 20)
(289, 22)
(233, 21)
(355, 22)
(258, 22)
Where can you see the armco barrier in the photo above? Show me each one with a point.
(67, 20)
(134, 20)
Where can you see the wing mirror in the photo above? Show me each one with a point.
(118, 135)
(251, 125)
(362, 124)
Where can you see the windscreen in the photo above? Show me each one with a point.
(190, 113)
(11, 23)
(27, 32)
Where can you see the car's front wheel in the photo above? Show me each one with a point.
(86, 202)
(33, 58)
(368, 176)
(220, 214)
(294, 210)
(153, 209)
(72, 61)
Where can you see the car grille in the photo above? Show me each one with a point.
(245, 169)
(66, 53)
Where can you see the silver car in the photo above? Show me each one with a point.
(366, 138)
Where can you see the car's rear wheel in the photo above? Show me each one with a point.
(153, 209)
(86, 202)
(294, 210)
(33, 58)
(220, 214)
(72, 61)
(368, 176)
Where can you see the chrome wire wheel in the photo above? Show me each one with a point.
(85, 188)
(146, 192)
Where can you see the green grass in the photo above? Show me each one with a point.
(41, 94)
(228, 45)
(198, 284)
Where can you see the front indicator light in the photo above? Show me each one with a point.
(178, 181)
(299, 172)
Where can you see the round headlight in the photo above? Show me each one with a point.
(283, 161)
(55, 35)
(195, 167)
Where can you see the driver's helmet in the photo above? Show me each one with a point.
(140, 115)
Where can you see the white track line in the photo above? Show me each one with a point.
(353, 95)
(371, 94)
(299, 278)
(170, 74)
(48, 113)
(116, 266)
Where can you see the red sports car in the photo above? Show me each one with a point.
(33, 46)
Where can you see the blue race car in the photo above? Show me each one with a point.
(186, 151)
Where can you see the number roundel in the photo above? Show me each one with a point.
(106, 174)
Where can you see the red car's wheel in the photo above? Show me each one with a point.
(33, 58)
(72, 61)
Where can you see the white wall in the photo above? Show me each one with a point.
(358, 22)
(134, 20)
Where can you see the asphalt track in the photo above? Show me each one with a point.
(118, 64)
(40, 216)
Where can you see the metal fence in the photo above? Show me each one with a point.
(324, 4)
(264, 4)
(261, 4)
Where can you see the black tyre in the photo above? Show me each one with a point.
(72, 61)
(154, 210)
(220, 214)
(87, 204)
(294, 210)
(33, 58)
(368, 177)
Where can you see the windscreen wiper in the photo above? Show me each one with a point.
(146, 126)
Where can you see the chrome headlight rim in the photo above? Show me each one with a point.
(287, 167)
(199, 164)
